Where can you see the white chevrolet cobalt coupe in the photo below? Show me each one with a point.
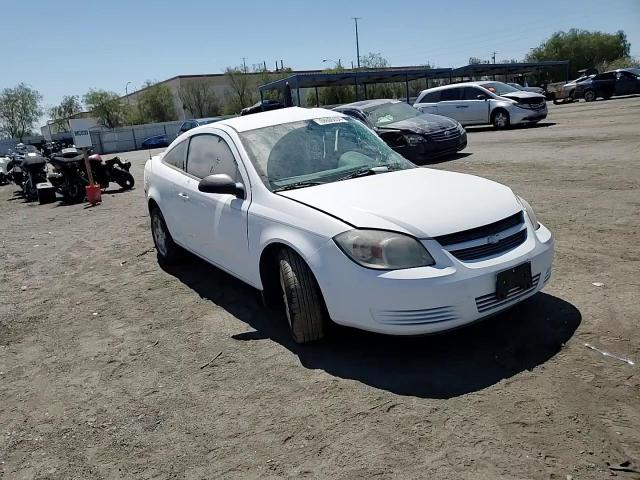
(316, 211)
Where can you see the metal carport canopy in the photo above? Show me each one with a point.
(353, 77)
(485, 69)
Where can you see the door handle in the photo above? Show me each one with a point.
(462, 106)
(184, 196)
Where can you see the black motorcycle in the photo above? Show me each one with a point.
(70, 174)
(113, 170)
(34, 171)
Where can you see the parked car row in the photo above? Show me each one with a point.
(591, 86)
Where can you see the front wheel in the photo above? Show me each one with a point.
(168, 251)
(303, 301)
(590, 96)
(500, 119)
(30, 191)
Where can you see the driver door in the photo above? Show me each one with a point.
(217, 222)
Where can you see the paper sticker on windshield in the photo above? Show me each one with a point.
(329, 120)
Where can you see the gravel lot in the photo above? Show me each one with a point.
(111, 367)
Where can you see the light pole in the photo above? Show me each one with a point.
(355, 19)
(338, 64)
(126, 92)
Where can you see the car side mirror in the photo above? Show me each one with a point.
(221, 183)
(482, 96)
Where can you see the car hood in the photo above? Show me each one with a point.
(421, 124)
(422, 202)
(519, 96)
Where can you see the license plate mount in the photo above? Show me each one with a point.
(515, 277)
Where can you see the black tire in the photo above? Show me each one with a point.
(590, 95)
(124, 179)
(500, 119)
(30, 191)
(304, 305)
(168, 251)
(74, 192)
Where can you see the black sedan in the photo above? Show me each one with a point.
(265, 106)
(625, 81)
(419, 137)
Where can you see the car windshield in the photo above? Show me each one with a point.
(635, 71)
(498, 88)
(516, 86)
(381, 115)
(321, 150)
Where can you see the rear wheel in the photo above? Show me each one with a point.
(590, 96)
(500, 119)
(304, 305)
(30, 191)
(74, 192)
(124, 179)
(168, 250)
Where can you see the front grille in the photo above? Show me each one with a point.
(537, 106)
(480, 232)
(447, 134)
(415, 317)
(480, 251)
(491, 301)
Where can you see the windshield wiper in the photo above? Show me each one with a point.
(293, 186)
(363, 172)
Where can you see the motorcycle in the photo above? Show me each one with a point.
(35, 171)
(113, 170)
(70, 174)
(4, 170)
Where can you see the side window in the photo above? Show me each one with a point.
(355, 114)
(450, 94)
(431, 97)
(209, 155)
(471, 93)
(176, 155)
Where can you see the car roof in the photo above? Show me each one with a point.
(454, 85)
(276, 117)
(364, 104)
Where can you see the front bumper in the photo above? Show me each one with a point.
(430, 150)
(425, 300)
(523, 115)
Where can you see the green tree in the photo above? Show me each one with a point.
(623, 62)
(20, 108)
(60, 114)
(242, 90)
(199, 99)
(155, 103)
(583, 48)
(106, 107)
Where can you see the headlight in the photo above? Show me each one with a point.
(530, 213)
(413, 139)
(461, 128)
(383, 250)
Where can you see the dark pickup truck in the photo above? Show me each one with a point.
(625, 81)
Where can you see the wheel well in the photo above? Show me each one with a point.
(269, 275)
(152, 204)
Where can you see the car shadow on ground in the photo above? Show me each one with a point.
(437, 366)
(490, 128)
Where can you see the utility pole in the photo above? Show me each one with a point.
(244, 63)
(355, 19)
(493, 57)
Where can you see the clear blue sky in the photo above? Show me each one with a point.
(65, 47)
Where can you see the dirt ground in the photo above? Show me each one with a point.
(111, 367)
